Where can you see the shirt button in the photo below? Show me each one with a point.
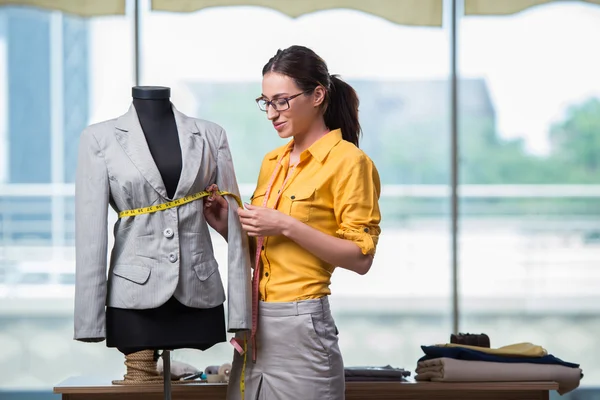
(168, 233)
(293, 197)
(262, 247)
(266, 274)
(172, 257)
(366, 229)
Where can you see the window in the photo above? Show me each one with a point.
(58, 74)
(404, 301)
(529, 107)
(529, 254)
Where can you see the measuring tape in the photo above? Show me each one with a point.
(236, 343)
(180, 202)
(175, 203)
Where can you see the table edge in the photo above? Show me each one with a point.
(352, 385)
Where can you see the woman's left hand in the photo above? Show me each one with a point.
(216, 210)
(263, 221)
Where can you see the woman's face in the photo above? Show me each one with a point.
(303, 109)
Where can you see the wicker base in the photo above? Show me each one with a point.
(141, 370)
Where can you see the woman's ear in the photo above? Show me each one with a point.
(319, 96)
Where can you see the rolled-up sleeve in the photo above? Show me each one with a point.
(356, 204)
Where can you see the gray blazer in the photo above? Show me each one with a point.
(155, 256)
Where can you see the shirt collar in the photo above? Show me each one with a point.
(319, 149)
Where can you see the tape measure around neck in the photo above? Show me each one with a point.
(174, 203)
(259, 244)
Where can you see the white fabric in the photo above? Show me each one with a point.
(452, 370)
(178, 368)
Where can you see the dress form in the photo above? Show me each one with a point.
(171, 325)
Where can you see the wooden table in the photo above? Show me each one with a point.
(80, 388)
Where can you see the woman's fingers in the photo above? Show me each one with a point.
(249, 221)
(221, 200)
(250, 230)
(246, 223)
(216, 196)
(243, 213)
(249, 224)
(212, 189)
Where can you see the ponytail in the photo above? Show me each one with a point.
(342, 110)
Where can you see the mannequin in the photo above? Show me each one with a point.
(161, 289)
(154, 111)
(172, 325)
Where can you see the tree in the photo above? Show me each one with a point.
(407, 135)
(576, 143)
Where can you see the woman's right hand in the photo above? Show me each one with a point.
(216, 211)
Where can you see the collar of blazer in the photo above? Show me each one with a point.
(131, 137)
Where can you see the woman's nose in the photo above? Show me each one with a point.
(272, 113)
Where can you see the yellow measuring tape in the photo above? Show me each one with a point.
(175, 203)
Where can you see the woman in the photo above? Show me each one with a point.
(315, 207)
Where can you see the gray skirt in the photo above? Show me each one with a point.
(298, 356)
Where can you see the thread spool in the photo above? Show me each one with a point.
(225, 370)
(218, 373)
(212, 370)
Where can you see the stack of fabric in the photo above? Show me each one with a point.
(375, 374)
(515, 363)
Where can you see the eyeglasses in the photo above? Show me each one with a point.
(280, 104)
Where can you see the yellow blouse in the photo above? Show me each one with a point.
(335, 188)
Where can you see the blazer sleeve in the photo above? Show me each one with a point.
(91, 240)
(238, 256)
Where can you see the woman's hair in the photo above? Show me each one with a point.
(309, 70)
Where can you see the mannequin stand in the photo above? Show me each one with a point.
(141, 369)
(166, 355)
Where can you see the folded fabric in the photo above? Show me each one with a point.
(461, 353)
(387, 373)
(178, 368)
(374, 379)
(516, 350)
(452, 370)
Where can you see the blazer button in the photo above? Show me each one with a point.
(172, 257)
(168, 233)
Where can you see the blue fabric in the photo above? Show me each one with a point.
(461, 353)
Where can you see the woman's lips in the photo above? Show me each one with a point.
(279, 125)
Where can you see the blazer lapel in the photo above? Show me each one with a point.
(192, 145)
(131, 137)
